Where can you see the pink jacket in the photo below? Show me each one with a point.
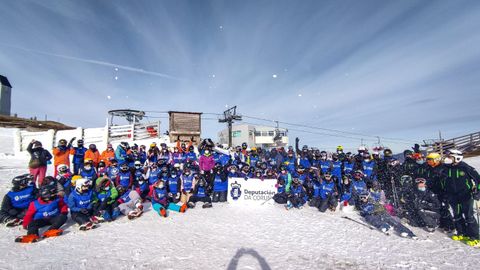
(206, 163)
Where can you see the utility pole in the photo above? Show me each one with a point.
(229, 116)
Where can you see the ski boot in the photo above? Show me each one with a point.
(87, 226)
(52, 233)
(473, 243)
(183, 208)
(134, 213)
(191, 205)
(207, 205)
(459, 237)
(163, 212)
(29, 238)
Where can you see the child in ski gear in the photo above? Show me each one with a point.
(80, 203)
(328, 193)
(93, 154)
(158, 194)
(88, 171)
(376, 215)
(296, 196)
(357, 186)
(173, 186)
(425, 207)
(281, 196)
(102, 169)
(129, 203)
(39, 158)
(48, 209)
(105, 197)
(200, 194)
(108, 155)
(64, 177)
(220, 184)
(188, 181)
(142, 187)
(61, 153)
(113, 170)
(16, 201)
(316, 189)
(51, 181)
(124, 177)
(78, 156)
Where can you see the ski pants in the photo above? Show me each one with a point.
(330, 201)
(76, 168)
(280, 198)
(81, 218)
(11, 213)
(38, 175)
(386, 221)
(170, 206)
(219, 196)
(463, 218)
(446, 219)
(103, 206)
(297, 201)
(125, 208)
(195, 199)
(54, 222)
(314, 202)
(427, 219)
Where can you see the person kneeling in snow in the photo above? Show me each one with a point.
(105, 200)
(425, 207)
(376, 215)
(17, 200)
(296, 196)
(220, 184)
(160, 203)
(130, 202)
(80, 203)
(316, 188)
(200, 194)
(49, 209)
(281, 196)
(328, 194)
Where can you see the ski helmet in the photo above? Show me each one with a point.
(62, 168)
(406, 180)
(21, 181)
(387, 153)
(434, 159)
(92, 147)
(36, 144)
(124, 167)
(62, 142)
(80, 143)
(82, 185)
(364, 196)
(101, 164)
(121, 190)
(138, 165)
(456, 155)
(48, 192)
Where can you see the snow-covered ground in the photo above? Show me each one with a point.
(228, 237)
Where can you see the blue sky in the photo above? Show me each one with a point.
(396, 69)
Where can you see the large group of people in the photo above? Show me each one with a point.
(425, 190)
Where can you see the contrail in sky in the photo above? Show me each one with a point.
(96, 62)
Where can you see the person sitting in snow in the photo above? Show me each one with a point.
(88, 171)
(173, 186)
(357, 187)
(316, 187)
(105, 197)
(328, 193)
(64, 177)
(80, 203)
(48, 209)
(129, 202)
(17, 200)
(160, 203)
(297, 194)
(142, 187)
(200, 194)
(425, 207)
(375, 214)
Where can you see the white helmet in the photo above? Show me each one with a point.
(362, 149)
(82, 185)
(62, 168)
(456, 155)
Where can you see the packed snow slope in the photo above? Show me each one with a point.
(228, 237)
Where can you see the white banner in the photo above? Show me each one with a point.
(253, 191)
